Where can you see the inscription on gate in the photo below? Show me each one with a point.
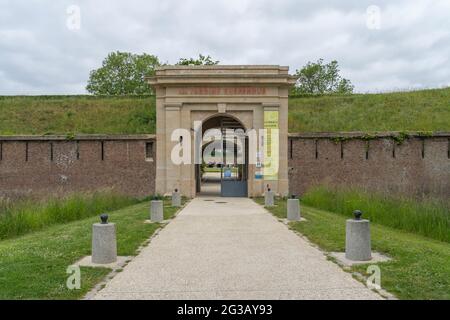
(222, 91)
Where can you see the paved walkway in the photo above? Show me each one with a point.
(232, 250)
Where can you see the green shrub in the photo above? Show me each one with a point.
(27, 215)
(427, 217)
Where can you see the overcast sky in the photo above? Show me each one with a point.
(380, 45)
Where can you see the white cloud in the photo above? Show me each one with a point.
(40, 55)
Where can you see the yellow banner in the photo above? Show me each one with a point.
(271, 145)
(270, 119)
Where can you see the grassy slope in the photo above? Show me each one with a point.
(34, 266)
(420, 268)
(77, 114)
(427, 110)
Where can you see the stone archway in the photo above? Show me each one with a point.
(255, 95)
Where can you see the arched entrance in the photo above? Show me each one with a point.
(256, 96)
(224, 168)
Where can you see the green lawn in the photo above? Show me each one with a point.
(426, 216)
(34, 266)
(20, 217)
(427, 110)
(420, 268)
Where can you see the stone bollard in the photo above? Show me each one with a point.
(156, 211)
(104, 245)
(293, 209)
(269, 198)
(176, 198)
(357, 239)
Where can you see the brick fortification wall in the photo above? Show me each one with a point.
(416, 165)
(46, 165)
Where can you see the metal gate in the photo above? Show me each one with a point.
(234, 168)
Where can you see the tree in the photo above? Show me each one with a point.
(345, 86)
(123, 73)
(201, 61)
(320, 78)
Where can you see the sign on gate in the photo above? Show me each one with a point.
(271, 146)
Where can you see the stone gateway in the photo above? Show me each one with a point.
(223, 97)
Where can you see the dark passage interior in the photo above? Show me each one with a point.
(224, 168)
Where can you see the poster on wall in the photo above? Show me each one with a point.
(271, 145)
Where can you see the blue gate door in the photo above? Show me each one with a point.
(233, 182)
(232, 188)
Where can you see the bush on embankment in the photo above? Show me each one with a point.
(427, 217)
(18, 218)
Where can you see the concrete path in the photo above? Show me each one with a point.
(232, 250)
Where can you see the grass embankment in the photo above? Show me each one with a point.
(428, 217)
(44, 115)
(420, 268)
(427, 110)
(18, 218)
(34, 266)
